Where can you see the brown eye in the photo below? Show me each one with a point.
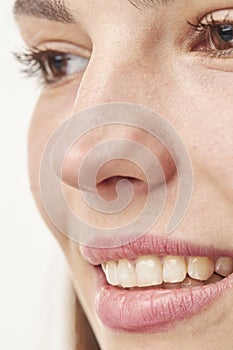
(59, 65)
(221, 36)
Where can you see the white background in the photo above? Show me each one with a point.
(25, 242)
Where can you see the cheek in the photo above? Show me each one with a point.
(212, 137)
(52, 109)
(211, 131)
(207, 121)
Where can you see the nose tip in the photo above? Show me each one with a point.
(105, 163)
(117, 131)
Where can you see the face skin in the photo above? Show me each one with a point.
(163, 65)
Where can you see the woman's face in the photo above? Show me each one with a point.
(176, 58)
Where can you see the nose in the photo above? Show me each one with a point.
(116, 80)
(119, 77)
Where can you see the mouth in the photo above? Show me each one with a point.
(167, 272)
(151, 284)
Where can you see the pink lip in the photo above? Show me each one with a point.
(151, 310)
(149, 244)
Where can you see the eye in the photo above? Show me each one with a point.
(60, 65)
(214, 37)
(53, 66)
(221, 36)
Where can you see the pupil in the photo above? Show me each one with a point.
(58, 62)
(226, 32)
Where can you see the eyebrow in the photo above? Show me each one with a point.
(141, 4)
(55, 10)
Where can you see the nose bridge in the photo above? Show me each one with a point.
(113, 76)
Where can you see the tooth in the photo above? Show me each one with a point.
(104, 266)
(174, 269)
(213, 279)
(224, 266)
(189, 282)
(148, 271)
(200, 268)
(126, 273)
(111, 273)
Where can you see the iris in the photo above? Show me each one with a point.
(225, 32)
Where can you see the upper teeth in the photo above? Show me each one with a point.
(153, 270)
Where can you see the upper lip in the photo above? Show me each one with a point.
(150, 244)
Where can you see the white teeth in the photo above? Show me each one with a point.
(166, 272)
(126, 273)
(149, 271)
(111, 273)
(224, 266)
(200, 268)
(174, 269)
(104, 266)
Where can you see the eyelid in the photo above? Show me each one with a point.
(219, 15)
(64, 47)
(214, 17)
(197, 29)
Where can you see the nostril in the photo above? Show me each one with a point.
(112, 180)
(118, 169)
(107, 188)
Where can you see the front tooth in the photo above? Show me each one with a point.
(174, 269)
(224, 266)
(149, 271)
(200, 268)
(111, 273)
(126, 273)
(104, 266)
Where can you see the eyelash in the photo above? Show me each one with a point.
(205, 23)
(202, 26)
(36, 61)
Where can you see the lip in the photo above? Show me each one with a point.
(150, 245)
(151, 310)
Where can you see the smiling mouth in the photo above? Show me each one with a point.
(152, 283)
(167, 272)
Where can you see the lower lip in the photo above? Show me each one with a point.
(152, 310)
